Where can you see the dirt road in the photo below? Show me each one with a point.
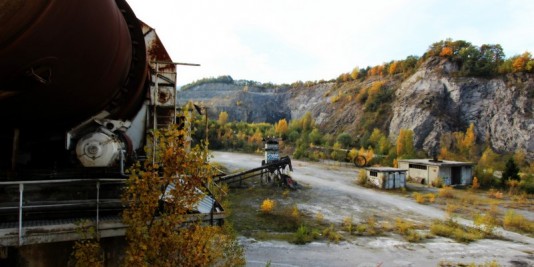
(333, 193)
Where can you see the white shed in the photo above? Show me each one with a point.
(428, 171)
(386, 177)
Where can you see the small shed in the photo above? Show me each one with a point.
(386, 177)
(428, 171)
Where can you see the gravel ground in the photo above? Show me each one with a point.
(331, 191)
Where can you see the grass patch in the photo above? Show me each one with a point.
(331, 234)
(516, 221)
(456, 231)
(369, 228)
(407, 230)
(446, 192)
(424, 198)
(305, 235)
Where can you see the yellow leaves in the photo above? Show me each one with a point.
(520, 63)
(281, 127)
(405, 147)
(353, 153)
(256, 138)
(267, 206)
(223, 118)
(446, 52)
(155, 235)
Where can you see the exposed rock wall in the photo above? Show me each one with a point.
(431, 102)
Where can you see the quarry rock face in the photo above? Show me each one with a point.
(431, 102)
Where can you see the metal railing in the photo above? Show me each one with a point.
(21, 206)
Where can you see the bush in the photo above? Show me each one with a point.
(476, 184)
(446, 192)
(455, 231)
(331, 234)
(347, 224)
(304, 235)
(492, 193)
(517, 221)
(419, 198)
(488, 221)
(423, 199)
(319, 217)
(438, 183)
(362, 178)
(267, 206)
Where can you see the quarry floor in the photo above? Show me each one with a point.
(331, 191)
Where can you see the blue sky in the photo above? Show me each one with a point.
(282, 41)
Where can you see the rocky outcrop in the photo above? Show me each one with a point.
(241, 102)
(432, 102)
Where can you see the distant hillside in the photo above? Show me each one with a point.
(452, 85)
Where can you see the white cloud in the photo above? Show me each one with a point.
(288, 40)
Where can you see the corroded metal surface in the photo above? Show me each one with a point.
(62, 61)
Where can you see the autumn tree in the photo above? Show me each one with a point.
(469, 142)
(375, 137)
(487, 164)
(405, 146)
(394, 67)
(446, 52)
(383, 145)
(159, 197)
(223, 118)
(354, 73)
(521, 62)
(337, 152)
(315, 137)
(256, 138)
(281, 127)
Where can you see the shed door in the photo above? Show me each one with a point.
(456, 175)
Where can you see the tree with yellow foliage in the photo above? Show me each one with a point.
(157, 235)
(469, 142)
(256, 138)
(393, 68)
(223, 118)
(281, 127)
(405, 146)
(354, 73)
(521, 62)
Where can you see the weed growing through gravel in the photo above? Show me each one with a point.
(513, 220)
(267, 206)
(456, 231)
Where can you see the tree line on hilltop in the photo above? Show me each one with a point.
(487, 60)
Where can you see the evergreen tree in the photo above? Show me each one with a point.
(511, 171)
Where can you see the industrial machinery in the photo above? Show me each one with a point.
(81, 82)
(273, 170)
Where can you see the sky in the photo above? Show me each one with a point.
(283, 41)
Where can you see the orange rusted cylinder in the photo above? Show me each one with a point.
(63, 61)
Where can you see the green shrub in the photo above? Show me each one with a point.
(456, 231)
(513, 220)
(331, 234)
(303, 235)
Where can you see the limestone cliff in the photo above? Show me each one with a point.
(432, 101)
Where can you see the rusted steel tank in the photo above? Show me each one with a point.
(62, 61)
